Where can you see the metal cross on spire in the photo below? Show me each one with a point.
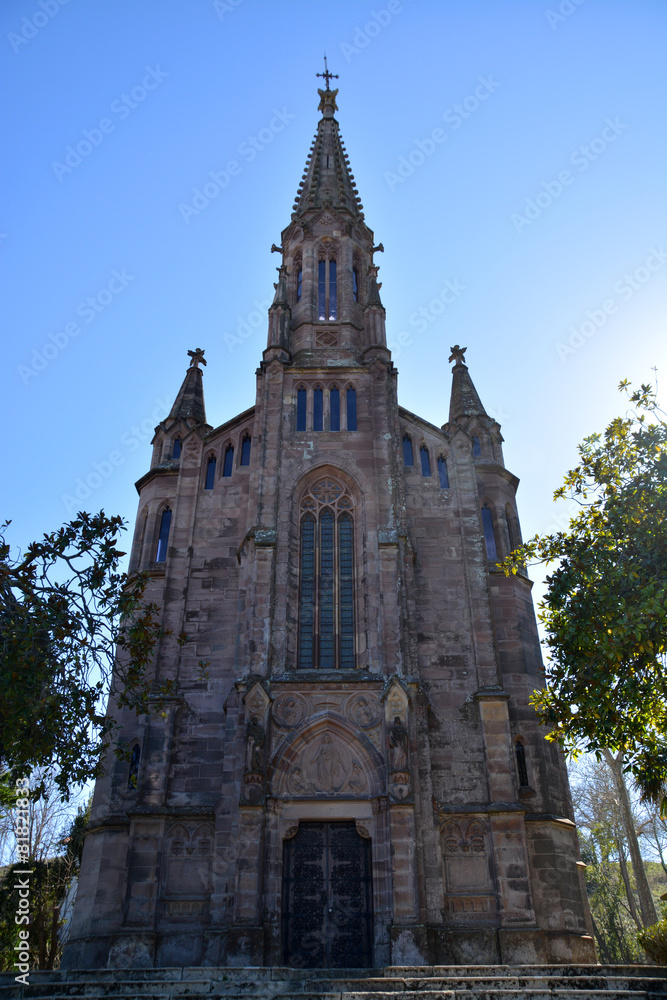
(327, 75)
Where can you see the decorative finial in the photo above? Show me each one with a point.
(327, 75)
(458, 354)
(197, 356)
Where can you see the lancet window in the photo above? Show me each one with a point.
(326, 585)
(327, 290)
(489, 534)
(163, 537)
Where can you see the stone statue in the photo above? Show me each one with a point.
(331, 772)
(255, 744)
(398, 741)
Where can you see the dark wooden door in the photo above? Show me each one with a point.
(327, 898)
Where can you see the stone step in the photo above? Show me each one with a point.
(558, 982)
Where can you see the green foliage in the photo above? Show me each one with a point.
(654, 940)
(605, 612)
(65, 611)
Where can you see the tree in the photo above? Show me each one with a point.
(605, 610)
(608, 842)
(67, 616)
(52, 855)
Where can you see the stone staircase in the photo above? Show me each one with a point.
(458, 982)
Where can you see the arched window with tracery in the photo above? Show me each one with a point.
(326, 585)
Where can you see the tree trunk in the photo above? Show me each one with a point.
(646, 904)
(628, 888)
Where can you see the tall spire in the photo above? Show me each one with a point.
(465, 401)
(189, 403)
(327, 181)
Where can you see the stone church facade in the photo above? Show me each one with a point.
(354, 776)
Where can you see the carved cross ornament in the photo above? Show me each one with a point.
(197, 357)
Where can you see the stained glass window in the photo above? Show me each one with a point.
(355, 285)
(301, 399)
(318, 409)
(245, 450)
(442, 473)
(326, 591)
(163, 538)
(176, 450)
(476, 447)
(299, 285)
(210, 474)
(425, 460)
(351, 409)
(228, 464)
(407, 451)
(334, 410)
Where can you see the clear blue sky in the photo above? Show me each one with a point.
(561, 116)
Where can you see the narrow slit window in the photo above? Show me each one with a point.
(210, 474)
(476, 447)
(229, 461)
(327, 591)
(407, 451)
(522, 770)
(334, 410)
(322, 289)
(355, 285)
(351, 409)
(176, 450)
(245, 450)
(489, 536)
(133, 775)
(425, 460)
(333, 291)
(301, 399)
(163, 538)
(299, 284)
(318, 410)
(442, 473)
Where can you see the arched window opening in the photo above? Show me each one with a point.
(245, 450)
(163, 537)
(476, 447)
(228, 463)
(355, 284)
(301, 402)
(321, 289)
(318, 409)
(489, 535)
(210, 474)
(351, 409)
(334, 409)
(326, 586)
(522, 770)
(327, 290)
(333, 291)
(133, 774)
(176, 450)
(442, 473)
(512, 528)
(425, 460)
(408, 458)
(299, 284)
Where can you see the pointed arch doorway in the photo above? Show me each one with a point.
(327, 899)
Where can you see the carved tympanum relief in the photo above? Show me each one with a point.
(327, 767)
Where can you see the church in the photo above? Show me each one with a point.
(348, 772)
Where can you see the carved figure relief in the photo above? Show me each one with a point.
(289, 710)
(363, 710)
(255, 745)
(257, 707)
(398, 741)
(189, 854)
(329, 768)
